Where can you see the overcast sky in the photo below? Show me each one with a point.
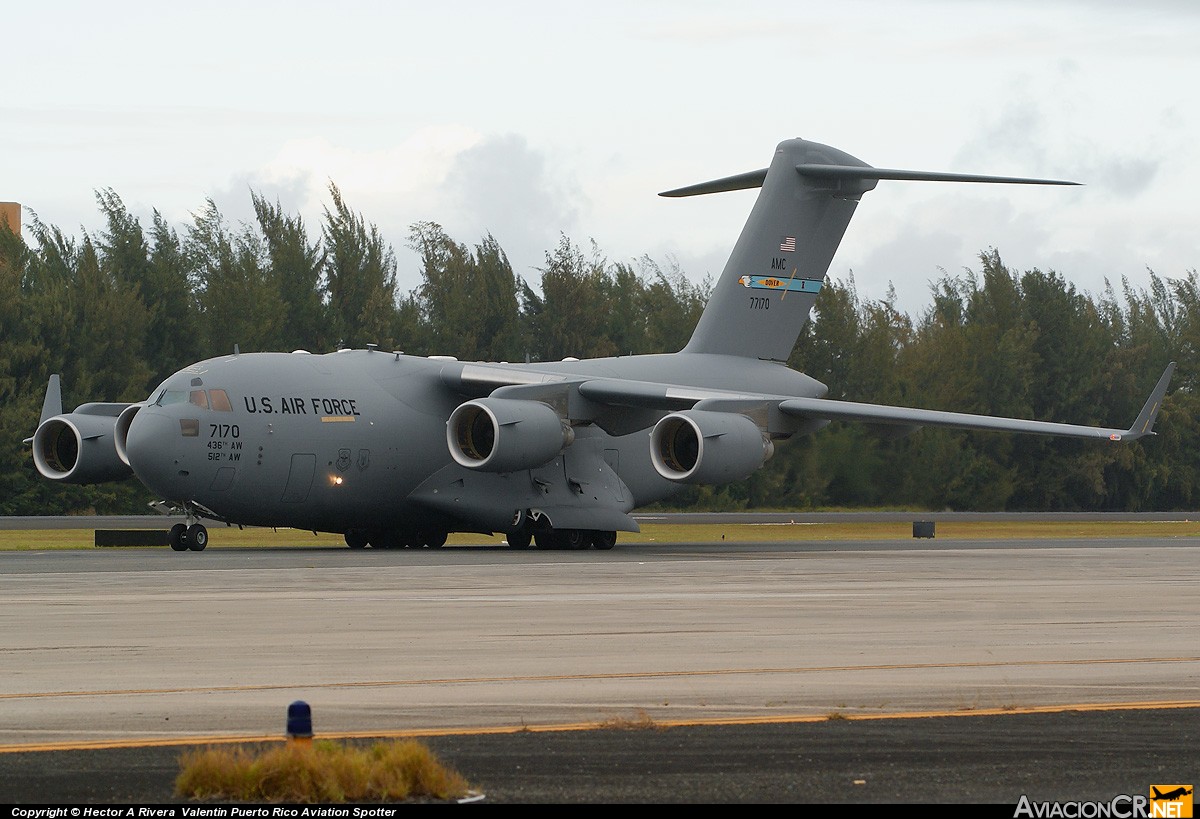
(530, 120)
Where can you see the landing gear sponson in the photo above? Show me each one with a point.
(547, 539)
(395, 539)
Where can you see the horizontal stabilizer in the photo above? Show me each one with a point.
(740, 182)
(814, 170)
(818, 171)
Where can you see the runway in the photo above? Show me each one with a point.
(135, 646)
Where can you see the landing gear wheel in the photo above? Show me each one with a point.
(178, 537)
(388, 540)
(197, 537)
(356, 539)
(576, 539)
(520, 540)
(604, 540)
(434, 540)
(563, 539)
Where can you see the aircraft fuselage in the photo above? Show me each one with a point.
(357, 439)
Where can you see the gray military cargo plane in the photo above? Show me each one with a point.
(396, 450)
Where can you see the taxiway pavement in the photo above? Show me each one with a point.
(833, 645)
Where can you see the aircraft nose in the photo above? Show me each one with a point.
(150, 447)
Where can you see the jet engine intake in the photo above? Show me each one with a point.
(121, 432)
(78, 447)
(698, 446)
(506, 434)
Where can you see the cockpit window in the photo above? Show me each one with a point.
(167, 397)
(217, 400)
(220, 400)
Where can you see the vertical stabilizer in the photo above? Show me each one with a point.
(763, 297)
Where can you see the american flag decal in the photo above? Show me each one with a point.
(788, 245)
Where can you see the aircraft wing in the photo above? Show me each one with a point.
(907, 416)
(623, 392)
(602, 393)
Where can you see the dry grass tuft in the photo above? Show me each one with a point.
(319, 772)
(642, 722)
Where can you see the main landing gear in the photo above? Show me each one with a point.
(573, 539)
(185, 537)
(529, 525)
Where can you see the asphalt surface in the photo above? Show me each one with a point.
(980, 760)
(165, 521)
(1087, 640)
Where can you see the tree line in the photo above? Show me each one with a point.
(118, 310)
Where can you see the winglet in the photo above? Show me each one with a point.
(1144, 425)
(51, 404)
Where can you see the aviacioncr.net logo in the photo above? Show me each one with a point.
(1163, 802)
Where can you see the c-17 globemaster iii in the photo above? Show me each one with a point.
(398, 450)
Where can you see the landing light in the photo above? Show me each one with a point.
(336, 480)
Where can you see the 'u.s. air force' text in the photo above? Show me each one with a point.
(295, 405)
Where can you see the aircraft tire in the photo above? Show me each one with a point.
(519, 540)
(197, 537)
(576, 539)
(178, 537)
(604, 539)
(388, 540)
(435, 539)
(356, 539)
(563, 539)
(551, 539)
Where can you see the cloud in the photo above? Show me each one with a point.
(469, 183)
(504, 187)
(1043, 129)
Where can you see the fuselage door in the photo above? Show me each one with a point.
(300, 478)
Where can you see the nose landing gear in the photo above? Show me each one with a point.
(192, 536)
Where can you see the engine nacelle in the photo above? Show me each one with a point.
(506, 434)
(697, 446)
(79, 447)
(121, 432)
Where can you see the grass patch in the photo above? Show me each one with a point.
(318, 772)
(232, 536)
(970, 530)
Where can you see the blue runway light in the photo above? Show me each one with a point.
(299, 721)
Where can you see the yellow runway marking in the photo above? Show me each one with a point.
(564, 677)
(151, 742)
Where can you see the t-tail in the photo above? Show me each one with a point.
(778, 266)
